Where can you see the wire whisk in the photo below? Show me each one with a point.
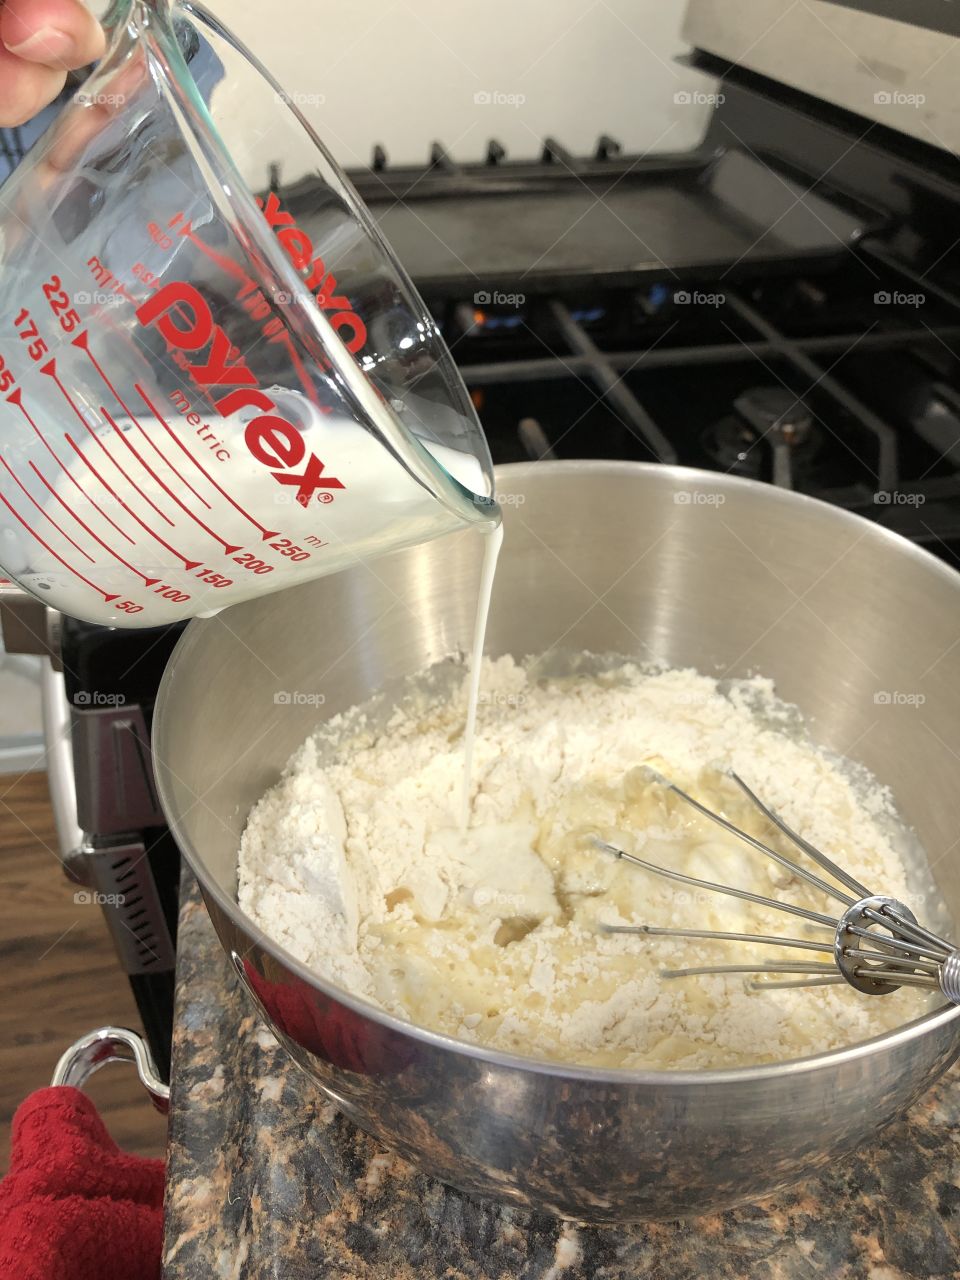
(878, 945)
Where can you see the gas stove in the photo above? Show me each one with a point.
(783, 303)
(814, 349)
(835, 384)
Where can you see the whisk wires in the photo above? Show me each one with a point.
(874, 962)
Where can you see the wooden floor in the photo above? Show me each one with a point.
(59, 975)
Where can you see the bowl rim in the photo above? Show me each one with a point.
(932, 1021)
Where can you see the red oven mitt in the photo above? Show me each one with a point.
(74, 1206)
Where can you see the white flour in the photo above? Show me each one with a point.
(359, 868)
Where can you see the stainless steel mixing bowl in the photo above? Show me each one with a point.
(855, 625)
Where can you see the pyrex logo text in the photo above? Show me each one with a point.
(181, 315)
(321, 282)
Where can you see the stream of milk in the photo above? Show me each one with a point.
(492, 542)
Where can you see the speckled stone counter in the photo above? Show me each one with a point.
(266, 1179)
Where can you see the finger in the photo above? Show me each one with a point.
(25, 88)
(54, 33)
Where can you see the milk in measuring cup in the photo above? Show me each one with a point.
(131, 519)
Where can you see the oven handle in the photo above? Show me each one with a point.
(112, 1044)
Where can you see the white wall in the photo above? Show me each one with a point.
(405, 72)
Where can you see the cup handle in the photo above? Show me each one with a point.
(112, 1044)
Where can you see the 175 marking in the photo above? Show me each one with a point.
(28, 332)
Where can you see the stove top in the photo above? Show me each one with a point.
(788, 309)
(840, 384)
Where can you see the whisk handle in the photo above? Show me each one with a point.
(950, 977)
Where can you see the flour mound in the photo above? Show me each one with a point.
(356, 864)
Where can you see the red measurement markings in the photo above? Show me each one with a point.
(63, 533)
(267, 533)
(148, 582)
(50, 369)
(82, 340)
(108, 596)
(188, 564)
(228, 547)
(15, 398)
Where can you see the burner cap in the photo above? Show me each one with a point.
(731, 445)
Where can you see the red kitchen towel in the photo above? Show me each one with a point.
(74, 1206)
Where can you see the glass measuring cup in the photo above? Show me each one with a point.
(215, 377)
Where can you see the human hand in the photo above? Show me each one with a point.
(40, 41)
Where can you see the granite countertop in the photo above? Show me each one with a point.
(267, 1179)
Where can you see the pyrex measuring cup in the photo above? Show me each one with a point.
(215, 377)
